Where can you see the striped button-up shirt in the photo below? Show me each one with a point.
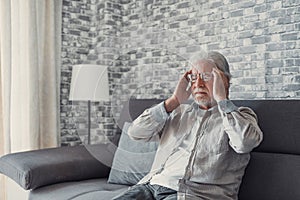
(214, 144)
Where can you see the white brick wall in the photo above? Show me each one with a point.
(146, 44)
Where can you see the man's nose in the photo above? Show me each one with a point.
(199, 82)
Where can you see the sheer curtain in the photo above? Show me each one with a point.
(30, 37)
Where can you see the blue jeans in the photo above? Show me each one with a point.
(148, 192)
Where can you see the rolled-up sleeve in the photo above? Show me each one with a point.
(149, 123)
(241, 126)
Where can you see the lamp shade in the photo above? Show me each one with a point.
(89, 83)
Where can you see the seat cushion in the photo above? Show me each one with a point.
(79, 190)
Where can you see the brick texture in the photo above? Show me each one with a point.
(147, 44)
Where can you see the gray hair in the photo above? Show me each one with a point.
(217, 58)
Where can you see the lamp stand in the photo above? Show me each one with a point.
(89, 122)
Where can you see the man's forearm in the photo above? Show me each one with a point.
(149, 123)
(171, 104)
(242, 129)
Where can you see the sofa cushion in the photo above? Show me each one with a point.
(37, 168)
(80, 190)
(280, 122)
(271, 176)
(132, 160)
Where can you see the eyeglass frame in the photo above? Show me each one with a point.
(200, 75)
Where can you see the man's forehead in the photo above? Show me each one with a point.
(203, 65)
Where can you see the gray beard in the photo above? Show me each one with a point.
(205, 103)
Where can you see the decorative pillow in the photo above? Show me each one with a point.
(133, 159)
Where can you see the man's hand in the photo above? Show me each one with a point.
(181, 94)
(220, 85)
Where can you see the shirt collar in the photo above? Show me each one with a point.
(196, 107)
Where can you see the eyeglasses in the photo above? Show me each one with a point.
(206, 76)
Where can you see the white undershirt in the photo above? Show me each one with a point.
(175, 165)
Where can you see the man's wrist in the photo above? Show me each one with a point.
(227, 106)
(171, 104)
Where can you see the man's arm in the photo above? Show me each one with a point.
(181, 94)
(239, 123)
(171, 104)
(149, 123)
(241, 126)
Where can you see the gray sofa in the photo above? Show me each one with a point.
(81, 172)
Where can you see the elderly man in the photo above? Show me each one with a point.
(204, 147)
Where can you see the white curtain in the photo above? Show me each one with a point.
(30, 42)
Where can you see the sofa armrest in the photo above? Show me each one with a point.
(32, 169)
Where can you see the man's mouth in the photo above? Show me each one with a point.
(200, 93)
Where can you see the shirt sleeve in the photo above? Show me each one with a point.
(240, 123)
(149, 123)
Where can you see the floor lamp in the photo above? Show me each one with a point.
(89, 83)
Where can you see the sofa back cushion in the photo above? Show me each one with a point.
(280, 123)
(271, 176)
(274, 168)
